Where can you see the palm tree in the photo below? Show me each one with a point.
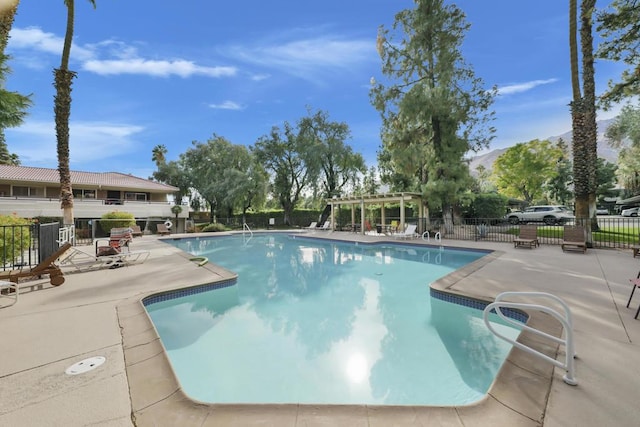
(14, 105)
(159, 153)
(587, 8)
(63, 78)
(580, 157)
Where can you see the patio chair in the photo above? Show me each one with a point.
(636, 283)
(135, 231)
(119, 240)
(528, 237)
(47, 266)
(312, 226)
(408, 233)
(325, 226)
(83, 260)
(574, 238)
(163, 230)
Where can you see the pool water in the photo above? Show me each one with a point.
(322, 322)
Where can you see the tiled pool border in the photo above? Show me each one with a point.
(518, 396)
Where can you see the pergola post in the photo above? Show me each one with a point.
(353, 217)
(402, 226)
(382, 217)
(362, 216)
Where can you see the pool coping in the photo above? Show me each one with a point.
(518, 395)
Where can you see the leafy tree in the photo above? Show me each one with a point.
(434, 109)
(332, 162)
(483, 179)
(246, 182)
(63, 78)
(370, 182)
(606, 178)
(557, 188)
(13, 106)
(205, 164)
(523, 170)
(619, 26)
(284, 154)
(624, 134)
(173, 173)
(489, 205)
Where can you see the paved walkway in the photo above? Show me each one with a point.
(50, 329)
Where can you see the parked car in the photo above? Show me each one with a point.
(630, 212)
(549, 214)
(602, 211)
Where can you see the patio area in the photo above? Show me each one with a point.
(98, 314)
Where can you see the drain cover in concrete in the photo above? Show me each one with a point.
(85, 365)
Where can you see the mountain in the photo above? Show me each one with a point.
(604, 151)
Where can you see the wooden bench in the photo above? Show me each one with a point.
(528, 237)
(574, 238)
(162, 230)
(135, 231)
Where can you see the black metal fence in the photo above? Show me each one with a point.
(607, 232)
(25, 245)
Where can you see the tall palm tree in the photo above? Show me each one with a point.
(158, 155)
(580, 157)
(587, 9)
(63, 78)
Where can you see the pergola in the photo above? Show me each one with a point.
(370, 199)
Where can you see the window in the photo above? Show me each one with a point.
(20, 191)
(84, 194)
(135, 197)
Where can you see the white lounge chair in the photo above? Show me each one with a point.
(326, 226)
(408, 233)
(82, 260)
(312, 226)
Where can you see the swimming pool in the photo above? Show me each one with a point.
(312, 321)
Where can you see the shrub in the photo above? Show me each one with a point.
(116, 219)
(15, 237)
(489, 205)
(214, 227)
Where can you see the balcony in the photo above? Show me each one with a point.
(31, 207)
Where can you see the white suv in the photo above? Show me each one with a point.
(550, 215)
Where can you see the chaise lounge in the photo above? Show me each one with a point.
(46, 266)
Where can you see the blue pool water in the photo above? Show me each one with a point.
(312, 321)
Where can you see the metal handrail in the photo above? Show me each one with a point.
(436, 236)
(565, 320)
(245, 226)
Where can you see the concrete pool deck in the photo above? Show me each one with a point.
(98, 313)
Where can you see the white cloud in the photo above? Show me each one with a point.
(33, 38)
(35, 141)
(181, 68)
(523, 87)
(121, 58)
(227, 105)
(307, 57)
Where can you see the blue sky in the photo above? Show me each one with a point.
(150, 73)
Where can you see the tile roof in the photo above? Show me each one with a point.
(115, 180)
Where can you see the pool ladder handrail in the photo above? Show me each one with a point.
(565, 320)
(437, 237)
(245, 227)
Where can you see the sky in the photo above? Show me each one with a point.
(151, 73)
